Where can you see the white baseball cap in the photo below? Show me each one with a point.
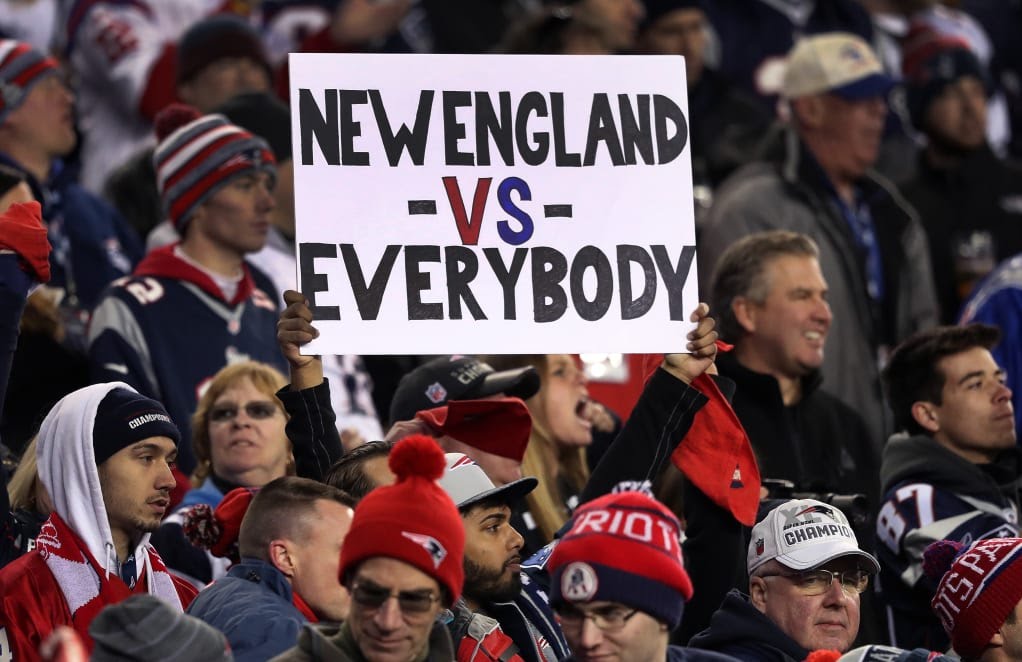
(466, 483)
(803, 534)
(836, 62)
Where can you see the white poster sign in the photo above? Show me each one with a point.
(493, 203)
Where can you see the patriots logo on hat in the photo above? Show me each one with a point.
(759, 546)
(436, 393)
(579, 582)
(736, 478)
(823, 510)
(851, 52)
(432, 546)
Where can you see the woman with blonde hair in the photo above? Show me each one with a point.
(239, 439)
(561, 430)
(29, 507)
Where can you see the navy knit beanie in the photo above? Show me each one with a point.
(215, 38)
(124, 418)
(930, 62)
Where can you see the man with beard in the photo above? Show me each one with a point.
(969, 200)
(105, 456)
(496, 594)
(873, 251)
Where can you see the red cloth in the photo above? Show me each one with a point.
(500, 426)
(716, 454)
(22, 231)
(303, 607)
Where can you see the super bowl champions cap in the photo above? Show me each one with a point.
(803, 534)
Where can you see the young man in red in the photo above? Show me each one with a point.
(105, 456)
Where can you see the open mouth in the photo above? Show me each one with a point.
(582, 413)
(815, 336)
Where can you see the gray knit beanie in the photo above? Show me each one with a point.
(144, 628)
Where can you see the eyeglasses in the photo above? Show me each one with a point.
(259, 410)
(817, 582)
(608, 619)
(372, 596)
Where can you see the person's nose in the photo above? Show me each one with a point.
(388, 617)
(591, 636)
(836, 594)
(515, 541)
(166, 481)
(823, 311)
(267, 202)
(242, 418)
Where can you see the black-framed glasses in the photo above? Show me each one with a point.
(817, 582)
(371, 596)
(609, 618)
(259, 410)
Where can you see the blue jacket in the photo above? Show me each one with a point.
(253, 606)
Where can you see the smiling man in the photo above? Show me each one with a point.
(806, 573)
(955, 475)
(873, 250)
(215, 180)
(105, 455)
(772, 304)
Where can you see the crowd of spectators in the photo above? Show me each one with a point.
(826, 467)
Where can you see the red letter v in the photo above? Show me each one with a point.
(468, 228)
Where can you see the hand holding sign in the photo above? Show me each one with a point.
(702, 345)
(294, 329)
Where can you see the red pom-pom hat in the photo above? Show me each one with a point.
(412, 521)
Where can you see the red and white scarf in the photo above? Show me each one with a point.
(86, 585)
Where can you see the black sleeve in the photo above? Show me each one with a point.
(715, 540)
(312, 429)
(14, 284)
(662, 416)
(13, 294)
(715, 550)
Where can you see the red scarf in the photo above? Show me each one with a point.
(87, 588)
(301, 606)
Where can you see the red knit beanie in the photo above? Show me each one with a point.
(412, 521)
(623, 548)
(979, 587)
